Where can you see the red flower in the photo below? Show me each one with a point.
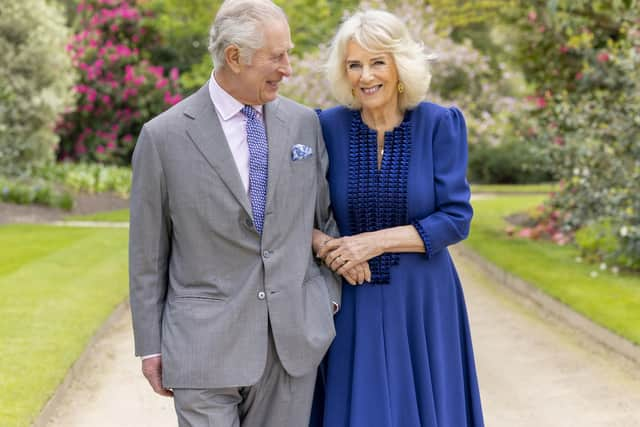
(603, 57)
(579, 75)
(564, 49)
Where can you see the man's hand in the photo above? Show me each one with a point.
(152, 371)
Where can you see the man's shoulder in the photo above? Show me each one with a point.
(176, 112)
(291, 107)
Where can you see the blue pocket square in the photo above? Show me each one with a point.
(300, 151)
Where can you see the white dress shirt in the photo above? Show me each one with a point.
(233, 121)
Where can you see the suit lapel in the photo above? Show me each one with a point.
(207, 135)
(277, 135)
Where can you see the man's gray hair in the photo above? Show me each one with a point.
(241, 23)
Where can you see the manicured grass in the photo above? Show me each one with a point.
(121, 215)
(514, 189)
(610, 300)
(57, 286)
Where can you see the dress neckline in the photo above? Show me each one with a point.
(357, 115)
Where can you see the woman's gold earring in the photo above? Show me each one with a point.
(400, 87)
(353, 92)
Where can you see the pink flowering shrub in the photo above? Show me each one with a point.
(119, 89)
(584, 69)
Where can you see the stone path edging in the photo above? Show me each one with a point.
(89, 224)
(60, 392)
(554, 307)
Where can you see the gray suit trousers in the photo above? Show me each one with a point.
(276, 400)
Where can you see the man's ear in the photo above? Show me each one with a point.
(232, 57)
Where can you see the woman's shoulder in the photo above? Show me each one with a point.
(334, 112)
(437, 111)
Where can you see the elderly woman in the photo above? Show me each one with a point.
(402, 356)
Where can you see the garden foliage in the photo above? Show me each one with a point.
(184, 28)
(462, 75)
(35, 81)
(583, 60)
(119, 87)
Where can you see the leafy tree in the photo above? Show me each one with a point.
(35, 81)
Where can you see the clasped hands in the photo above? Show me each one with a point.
(347, 256)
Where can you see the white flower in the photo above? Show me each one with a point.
(603, 266)
(624, 231)
(615, 270)
(578, 259)
(576, 171)
(585, 172)
(594, 274)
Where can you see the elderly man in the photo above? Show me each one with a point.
(231, 314)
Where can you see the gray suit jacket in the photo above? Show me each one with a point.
(204, 285)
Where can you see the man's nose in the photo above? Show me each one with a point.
(285, 67)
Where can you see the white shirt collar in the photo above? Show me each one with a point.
(226, 104)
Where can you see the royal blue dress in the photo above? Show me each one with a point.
(402, 356)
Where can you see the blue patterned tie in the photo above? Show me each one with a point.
(258, 164)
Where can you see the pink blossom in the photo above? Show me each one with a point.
(161, 83)
(92, 95)
(564, 49)
(156, 71)
(106, 99)
(579, 75)
(99, 149)
(128, 73)
(93, 43)
(526, 233)
(127, 138)
(603, 57)
(532, 16)
(171, 100)
(111, 145)
(135, 38)
(79, 148)
(558, 141)
(174, 74)
(541, 102)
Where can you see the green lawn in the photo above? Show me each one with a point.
(610, 300)
(513, 189)
(121, 215)
(57, 286)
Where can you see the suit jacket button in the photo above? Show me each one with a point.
(266, 254)
(248, 222)
(261, 295)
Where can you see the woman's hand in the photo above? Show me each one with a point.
(358, 274)
(345, 253)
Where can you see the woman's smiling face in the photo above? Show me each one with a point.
(373, 77)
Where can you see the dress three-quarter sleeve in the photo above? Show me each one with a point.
(449, 223)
